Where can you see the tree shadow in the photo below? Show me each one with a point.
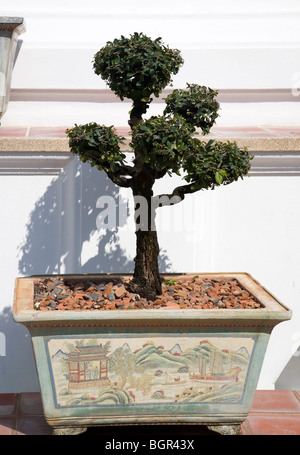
(63, 223)
(289, 378)
(60, 227)
(17, 368)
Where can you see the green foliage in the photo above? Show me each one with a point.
(137, 67)
(162, 141)
(98, 144)
(197, 105)
(214, 163)
(170, 282)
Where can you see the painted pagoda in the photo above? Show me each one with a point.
(88, 367)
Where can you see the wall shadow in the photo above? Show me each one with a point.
(39, 253)
(289, 378)
(64, 219)
(17, 366)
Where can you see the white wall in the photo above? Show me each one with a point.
(232, 44)
(249, 45)
(48, 203)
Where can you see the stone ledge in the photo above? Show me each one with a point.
(58, 144)
(38, 145)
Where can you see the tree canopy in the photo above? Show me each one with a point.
(139, 68)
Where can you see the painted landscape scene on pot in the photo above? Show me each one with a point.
(138, 370)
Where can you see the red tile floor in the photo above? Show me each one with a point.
(274, 412)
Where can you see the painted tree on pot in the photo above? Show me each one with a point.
(137, 68)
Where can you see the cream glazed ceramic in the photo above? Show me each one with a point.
(149, 366)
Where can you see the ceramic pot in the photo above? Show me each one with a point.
(191, 366)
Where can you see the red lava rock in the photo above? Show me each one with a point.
(110, 306)
(91, 289)
(108, 289)
(88, 305)
(119, 306)
(185, 292)
(78, 296)
(120, 292)
(60, 306)
(171, 305)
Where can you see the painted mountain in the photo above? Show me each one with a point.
(150, 356)
(58, 356)
(124, 350)
(243, 351)
(176, 349)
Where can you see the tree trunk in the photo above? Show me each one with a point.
(138, 109)
(146, 278)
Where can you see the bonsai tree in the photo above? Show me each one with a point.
(139, 68)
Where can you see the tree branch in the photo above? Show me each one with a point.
(120, 173)
(141, 170)
(138, 109)
(124, 169)
(177, 196)
(118, 180)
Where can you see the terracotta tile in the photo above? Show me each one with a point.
(6, 426)
(275, 401)
(246, 428)
(274, 425)
(33, 426)
(212, 134)
(244, 132)
(266, 133)
(31, 404)
(7, 404)
(285, 131)
(47, 132)
(11, 131)
(230, 129)
(123, 131)
(297, 394)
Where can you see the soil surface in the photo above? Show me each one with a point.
(111, 293)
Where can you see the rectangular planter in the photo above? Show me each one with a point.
(195, 366)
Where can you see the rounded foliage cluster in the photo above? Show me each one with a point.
(98, 144)
(212, 163)
(137, 67)
(162, 141)
(197, 105)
